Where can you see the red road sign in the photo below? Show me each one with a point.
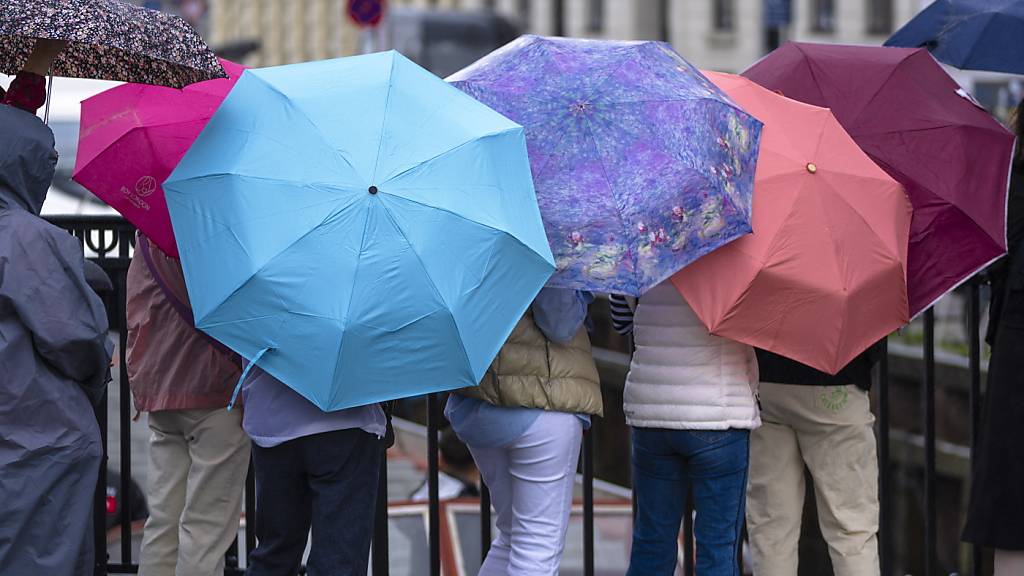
(366, 13)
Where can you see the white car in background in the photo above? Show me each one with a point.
(65, 195)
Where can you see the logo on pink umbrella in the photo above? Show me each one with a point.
(144, 187)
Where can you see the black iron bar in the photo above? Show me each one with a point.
(930, 564)
(250, 512)
(588, 503)
(688, 560)
(125, 422)
(381, 560)
(485, 520)
(974, 363)
(884, 470)
(432, 481)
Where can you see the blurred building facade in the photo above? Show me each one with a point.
(725, 35)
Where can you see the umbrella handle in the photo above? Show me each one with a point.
(245, 374)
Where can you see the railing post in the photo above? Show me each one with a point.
(125, 422)
(928, 396)
(688, 560)
(974, 359)
(588, 503)
(99, 518)
(250, 511)
(485, 520)
(884, 470)
(432, 482)
(381, 553)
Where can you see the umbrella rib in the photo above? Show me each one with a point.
(881, 87)
(461, 217)
(302, 114)
(440, 155)
(614, 202)
(384, 118)
(426, 273)
(355, 276)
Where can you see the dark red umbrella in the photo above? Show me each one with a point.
(916, 122)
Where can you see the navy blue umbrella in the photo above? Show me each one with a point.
(969, 34)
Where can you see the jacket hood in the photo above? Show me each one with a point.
(27, 160)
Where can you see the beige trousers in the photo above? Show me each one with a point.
(198, 463)
(828, 429)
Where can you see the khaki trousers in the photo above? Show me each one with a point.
(828, 429)
(198, 463)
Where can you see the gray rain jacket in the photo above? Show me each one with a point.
(54, 358)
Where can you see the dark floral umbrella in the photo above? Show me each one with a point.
(107, 40)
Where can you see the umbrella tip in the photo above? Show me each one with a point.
(812, 167)
(373, 190)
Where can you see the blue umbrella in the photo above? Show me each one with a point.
(969, 34)
(359, 229)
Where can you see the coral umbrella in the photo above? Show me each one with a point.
(131, 138)
(913, 120)
(823, 276)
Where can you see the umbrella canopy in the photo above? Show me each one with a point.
(107, 40)
(823, 276)
(132, 137)
(915, 122)
(641, 164)
(969, 34)
(370, 228)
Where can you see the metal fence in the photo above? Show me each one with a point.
(108, 240)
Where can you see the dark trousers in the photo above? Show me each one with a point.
(327, 482)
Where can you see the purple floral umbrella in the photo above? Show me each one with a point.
(641, 164)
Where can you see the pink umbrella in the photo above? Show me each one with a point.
(131, 137)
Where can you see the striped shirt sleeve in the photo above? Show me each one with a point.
(622, 314)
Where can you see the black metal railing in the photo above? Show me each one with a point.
(108, 240)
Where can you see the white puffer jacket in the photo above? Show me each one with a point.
(684, 378)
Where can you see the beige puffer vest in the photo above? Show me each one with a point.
(534, 372)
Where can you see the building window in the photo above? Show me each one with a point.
(880, 17)
(524, 13)
(595, 15)
(723, 12)
(823, 17)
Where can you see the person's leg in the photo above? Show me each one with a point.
(168, 473)
(838, 444)
(283, 506)
(494, 469)
(1009, 563)
(542, 463)
(659, 485)
(717, 468)
(219, 450)
(775, 489)
(343, 468)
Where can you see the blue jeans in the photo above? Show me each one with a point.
(666, 463)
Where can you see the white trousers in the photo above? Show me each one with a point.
(531, 482)
(198, 462)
